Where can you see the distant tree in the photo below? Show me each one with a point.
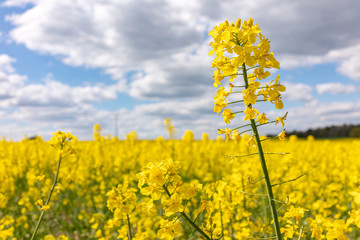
(330, 132)
(355, 132)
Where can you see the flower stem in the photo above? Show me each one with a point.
(129, 225)
(187, 218)
(264, 168)
(48, 198)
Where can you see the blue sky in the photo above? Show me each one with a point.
(67, 65)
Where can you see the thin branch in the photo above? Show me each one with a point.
(242, 155)
(253, 182)
(287, 201)
(241, 126)
(265, 123)
(279, 201)
(48, 198)
(250, 154)
(301, 229)
(253, 194)
(291, 180)
(187, 218)
(252, 67)
(263, 238)
(129, 225)
(191, 234)
(235, 102)
(281, 153)
(221, 219)
(268, 138)
(238, 112)
(245, 131)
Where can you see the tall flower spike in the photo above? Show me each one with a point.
(248, 50)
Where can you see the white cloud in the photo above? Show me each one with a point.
(164, 42)
(14, 92)
(10, 81)
(38, 108)
(297, 92)
(335, 88)
(348, 60)
(179, 75)
(118, 36)
(113, 35)
(319, 114)
(18, 3)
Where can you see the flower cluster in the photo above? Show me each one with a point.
(121, 200)
(161, 181)
(229, 203)
(169, 127)
(241, 49)
(63, 142)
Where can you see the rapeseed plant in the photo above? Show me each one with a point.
(62, 143)
(242, 50)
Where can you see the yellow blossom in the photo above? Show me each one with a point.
(235, 136)
(228, 115)
(297, 213)
(227, 133)
(41, 178)
(169, 229)
(250, 113)
(281, 119)
(173, 205)
(282, 135)
(262, 118)
(251, 142)
(337, 231)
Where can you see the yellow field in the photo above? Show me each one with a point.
(216, 191)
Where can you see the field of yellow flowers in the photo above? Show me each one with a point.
(189, 189)
(110, 188)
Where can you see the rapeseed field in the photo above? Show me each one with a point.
(189, 189)
(101, 188)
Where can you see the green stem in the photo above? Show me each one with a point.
(245, 131)
(264, 168)
(291, 180)
(48, 198)
(238, 112)
(129, 225)
(187, 218)
(241, 126)
(265, 123)
(235, 102)
(252, 67)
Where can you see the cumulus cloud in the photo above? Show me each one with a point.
(319, 114)
(159, 48)
(14, 92)
(298, 92)
(114, 35)
(335, 88)
(348, 60)
(119, 36)
(54, 93)
(10, 81)
(180, 75)
(18, 3)
(50, 104)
